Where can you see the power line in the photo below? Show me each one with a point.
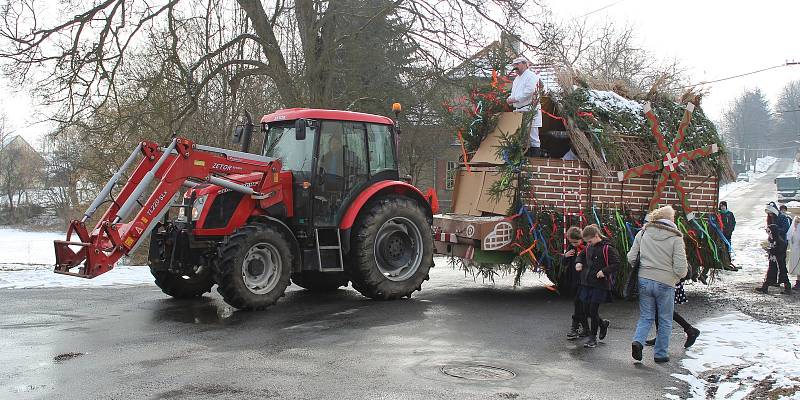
(599, 9)
(770, 149)
(740, 75)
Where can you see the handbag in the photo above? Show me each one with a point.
(631, 290)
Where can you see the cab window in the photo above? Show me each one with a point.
(295, 155)
(381, 149)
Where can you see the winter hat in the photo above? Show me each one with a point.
(771, 208)
(723, 203)
(666, 212)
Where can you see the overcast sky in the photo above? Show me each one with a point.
(712, 38)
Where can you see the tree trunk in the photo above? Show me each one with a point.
(278, 70)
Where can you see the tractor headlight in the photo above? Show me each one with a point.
(197, 208)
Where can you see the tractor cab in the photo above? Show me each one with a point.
(333, 156)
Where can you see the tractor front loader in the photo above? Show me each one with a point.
(321, 205)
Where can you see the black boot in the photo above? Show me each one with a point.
(797, 284)
(763, 288)
(691, 337)
(787, 288)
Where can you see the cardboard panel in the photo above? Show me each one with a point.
(486, 203)
(508, 123)
(467, 191)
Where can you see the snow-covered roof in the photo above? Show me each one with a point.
(7, 140)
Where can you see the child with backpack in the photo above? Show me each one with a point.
(597, 265)
(572, 277)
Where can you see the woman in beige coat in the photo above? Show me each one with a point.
(662, 254)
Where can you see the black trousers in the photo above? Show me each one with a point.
(777, 273)
(579, 315)
(593, 312)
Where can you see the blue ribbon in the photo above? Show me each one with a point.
(719, 233)
(524, 211)
(594, 211)
(544, 256)
(631, 231)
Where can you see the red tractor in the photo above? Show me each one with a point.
(320, 205)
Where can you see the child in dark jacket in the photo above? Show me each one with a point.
(597, 266)
(579, 319)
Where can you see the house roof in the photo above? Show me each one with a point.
(19, 141)
(7, 140)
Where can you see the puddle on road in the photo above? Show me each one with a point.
(737, 357)
(203, 311)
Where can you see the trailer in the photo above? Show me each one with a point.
(512, 212)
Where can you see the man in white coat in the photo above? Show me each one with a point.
(525, 97)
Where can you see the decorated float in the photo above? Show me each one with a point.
(610, 157)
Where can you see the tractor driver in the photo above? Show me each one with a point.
(332, 161)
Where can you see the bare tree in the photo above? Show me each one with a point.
(748, 124)
(204, 46)
(608, 52)
(788, 113)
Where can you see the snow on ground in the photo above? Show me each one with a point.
(44, 277)
(735, 355)
(26, 248)
(763, 163)
(27, 259)
(733, 187)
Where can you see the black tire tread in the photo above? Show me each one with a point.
(316, 281)
(363, 273)
(179, 288)
(228, 256)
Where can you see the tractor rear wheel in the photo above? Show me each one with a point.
(253, 266)
(392, 249)
(316, 281)
(183, 286)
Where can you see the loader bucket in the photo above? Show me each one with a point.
(70, 254)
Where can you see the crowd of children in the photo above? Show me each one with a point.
(591, 263)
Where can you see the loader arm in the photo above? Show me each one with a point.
(181, 164)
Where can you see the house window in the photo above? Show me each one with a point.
(450, 178)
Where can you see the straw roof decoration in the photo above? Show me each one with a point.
(609, 132)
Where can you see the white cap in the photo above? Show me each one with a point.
(519, 60)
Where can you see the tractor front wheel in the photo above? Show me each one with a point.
(180, 286)
(253, 266)
(392, 249)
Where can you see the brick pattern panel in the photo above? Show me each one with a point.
(570, 185)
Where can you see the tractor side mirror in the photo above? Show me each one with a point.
(300, 129)
(243, 132)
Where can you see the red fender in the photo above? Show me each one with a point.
(433, 199)
(384, 186)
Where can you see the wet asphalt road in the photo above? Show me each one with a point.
(137, 343)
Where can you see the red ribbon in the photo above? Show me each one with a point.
(464, 152)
